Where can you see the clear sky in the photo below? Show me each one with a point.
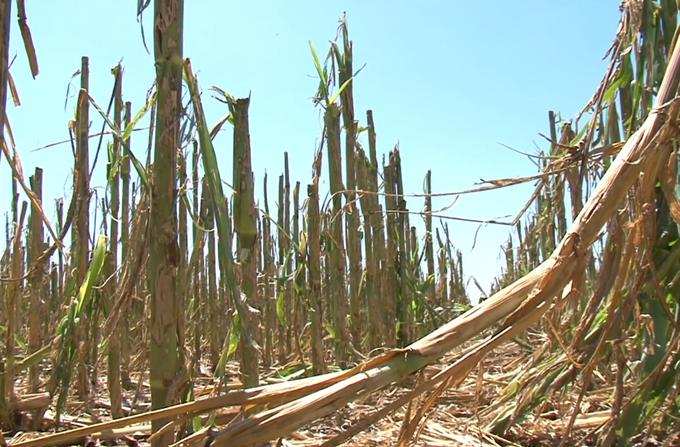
(447, 80)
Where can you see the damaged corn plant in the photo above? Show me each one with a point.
(180, 311)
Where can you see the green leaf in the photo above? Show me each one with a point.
(196, 424)
(21, 343)
(302, 249)
(235, 337)
(575, 141)
(138, 116)
(281, 307)
(611, 90)
(330, 330)
(229, 348)
(512, 388)
(194, 219)
(111, 124)
(321, 72)
(66, 354)
(623, 79)
(141, 172)
(340, 90)
(290, 370)
(626, 69)
(93, 272)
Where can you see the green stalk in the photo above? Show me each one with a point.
(392, 255)
(210, 273)
(6, 8)
(281, 298)
(377, 223)
(429, 243)
(403, 259)
(245, 226)
(338, 291)
(113, 367)
(442, 285)
(299, 275)
(345, 73)
(314, 267)
(183, 244)
(286, 261)
(12, 322)
(163, 256)
(249, 349)
(124, 242)
(80, 238)
(36, 281)
(268, 297)
(374, 307)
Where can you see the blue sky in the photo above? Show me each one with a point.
(447, 80)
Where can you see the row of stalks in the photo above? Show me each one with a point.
(615, 333)
(170, 273)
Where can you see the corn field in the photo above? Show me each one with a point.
(183, 307)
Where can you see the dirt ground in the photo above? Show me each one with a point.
(459, 416)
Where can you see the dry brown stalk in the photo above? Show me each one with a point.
(270, 394)
(541, 285)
